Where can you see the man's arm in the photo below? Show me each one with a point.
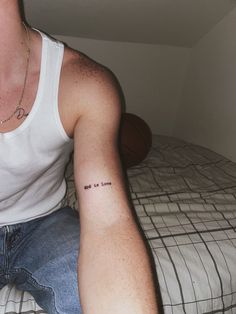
(114, 271)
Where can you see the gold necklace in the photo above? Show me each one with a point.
(18, 107)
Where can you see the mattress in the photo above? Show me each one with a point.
(185, 199)
(14, 301)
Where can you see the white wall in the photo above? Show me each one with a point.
(151, 76)
(207, 115)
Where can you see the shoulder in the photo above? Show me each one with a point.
(88, 81)
(87, 89)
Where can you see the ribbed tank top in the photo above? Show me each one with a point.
(33, 156)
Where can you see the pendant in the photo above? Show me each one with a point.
(21, 113)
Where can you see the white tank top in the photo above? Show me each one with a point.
(34, 155)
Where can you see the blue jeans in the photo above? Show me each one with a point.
(40, 256)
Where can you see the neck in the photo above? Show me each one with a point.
(13, 39)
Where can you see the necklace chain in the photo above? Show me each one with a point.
(18, 107)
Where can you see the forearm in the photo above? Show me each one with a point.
(114, 272)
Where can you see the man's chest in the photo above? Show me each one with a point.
(16, 107)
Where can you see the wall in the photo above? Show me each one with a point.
(207, 115)
(151, 76)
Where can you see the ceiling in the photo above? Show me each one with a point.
(168, 22)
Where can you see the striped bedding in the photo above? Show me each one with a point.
(185, 199)
(15, 301)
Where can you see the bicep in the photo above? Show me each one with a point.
(98, 172)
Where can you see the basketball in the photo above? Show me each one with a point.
(135, 139)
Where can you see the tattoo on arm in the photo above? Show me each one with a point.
(97, 185)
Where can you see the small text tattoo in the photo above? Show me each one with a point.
(96, 185)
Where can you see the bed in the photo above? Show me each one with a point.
(185, 199)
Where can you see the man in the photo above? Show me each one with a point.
(49, 95)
